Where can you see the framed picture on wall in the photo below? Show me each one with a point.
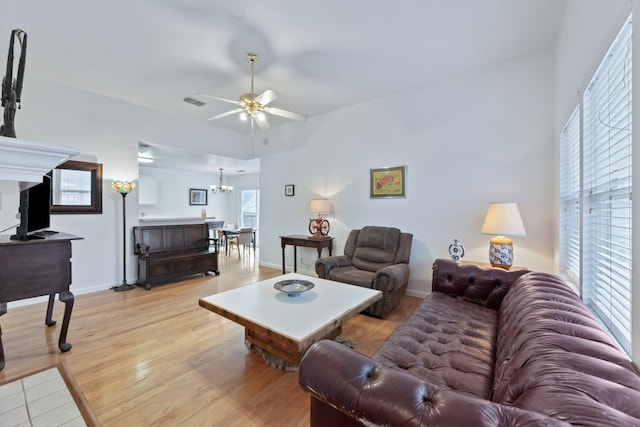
(289, 190)
(198, 196)
(388, 182)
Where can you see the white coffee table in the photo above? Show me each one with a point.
(284, 326)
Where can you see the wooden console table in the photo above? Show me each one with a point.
(305, 241)
(34, 268)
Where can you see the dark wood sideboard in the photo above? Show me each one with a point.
(34, 268)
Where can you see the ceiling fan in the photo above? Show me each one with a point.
(253, 106)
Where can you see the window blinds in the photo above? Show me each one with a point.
(570, 207)
(607, 191)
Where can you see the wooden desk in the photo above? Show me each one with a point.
(305, 241)
(33, 268)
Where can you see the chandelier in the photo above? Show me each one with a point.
(221, 188)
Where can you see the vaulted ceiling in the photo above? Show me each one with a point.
(319, 56)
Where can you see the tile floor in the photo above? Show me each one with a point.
(42, 399)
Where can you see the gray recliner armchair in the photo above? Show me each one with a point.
(376, 258)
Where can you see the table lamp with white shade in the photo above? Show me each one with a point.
(502, 220)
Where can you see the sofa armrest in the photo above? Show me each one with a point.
(484, 286)
(388, 278)
(341, 377)
(356, 386)
(324, 265)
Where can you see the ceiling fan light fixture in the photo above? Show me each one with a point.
(255, 107)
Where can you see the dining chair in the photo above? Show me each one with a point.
(244, 238)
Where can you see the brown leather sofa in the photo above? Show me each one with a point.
(487, 347)
(375, 258)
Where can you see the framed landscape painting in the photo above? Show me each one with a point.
(197, 196)
(388, 182)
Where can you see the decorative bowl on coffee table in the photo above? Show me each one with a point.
(293, 288)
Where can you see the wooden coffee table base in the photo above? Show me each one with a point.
(271, 345)
(278, 351)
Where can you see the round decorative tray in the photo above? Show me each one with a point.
(293, 288)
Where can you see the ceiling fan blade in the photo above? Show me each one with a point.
(228, 113)
(263, 123)
(284, 113)
(267, 97)
(218, 98)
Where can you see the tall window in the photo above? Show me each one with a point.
(249, 202)
(605, 212)
(570, 207)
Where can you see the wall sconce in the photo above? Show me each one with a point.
(221, 188)
(319, 227)
(502, 219)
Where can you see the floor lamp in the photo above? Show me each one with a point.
(124, 188)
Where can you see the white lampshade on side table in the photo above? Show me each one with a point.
(502, 220)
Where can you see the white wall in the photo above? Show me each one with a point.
(466, 142)
(173, 194)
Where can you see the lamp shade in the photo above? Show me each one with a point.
(123, 187)
(320, 206)
(503, 219)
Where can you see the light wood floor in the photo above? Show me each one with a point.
(145, 358)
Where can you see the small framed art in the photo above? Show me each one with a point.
(289, 190)
(198, 196)
(388, 182)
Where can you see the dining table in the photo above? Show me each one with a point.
(225, 233)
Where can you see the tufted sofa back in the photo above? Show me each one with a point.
(486, 287)
(374, 247)
(553, 357)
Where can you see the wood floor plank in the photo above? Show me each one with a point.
(156, 358)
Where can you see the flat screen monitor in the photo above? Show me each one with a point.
(35, 210)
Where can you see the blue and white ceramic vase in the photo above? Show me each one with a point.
(456, 250)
